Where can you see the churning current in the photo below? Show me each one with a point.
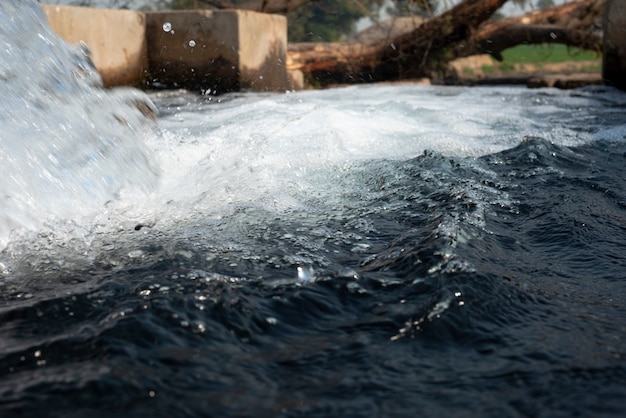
(371, 251)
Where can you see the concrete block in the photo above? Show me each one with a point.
(296, 79)
(614, 57)
(116, 40)
(219, 51)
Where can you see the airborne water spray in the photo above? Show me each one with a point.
(67, 145)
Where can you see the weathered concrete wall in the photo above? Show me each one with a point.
(614, 63)
(116, 40)
(263, 51)
(217, 50)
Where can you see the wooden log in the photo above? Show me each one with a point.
(462, 31)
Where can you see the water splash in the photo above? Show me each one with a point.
(68, 146)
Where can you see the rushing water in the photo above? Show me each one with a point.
(374, 251)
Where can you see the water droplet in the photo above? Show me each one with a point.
(167, 27)
(198, 327)
(305, 272)
(192, 43)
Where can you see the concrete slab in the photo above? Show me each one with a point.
(217, 51)
(116, 40)
(614, 62)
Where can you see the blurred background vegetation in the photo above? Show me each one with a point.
(321, 20)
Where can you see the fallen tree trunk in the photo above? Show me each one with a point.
(462, 31)
(418, 53)
(405, 56)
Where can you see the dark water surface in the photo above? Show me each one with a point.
(437, 286)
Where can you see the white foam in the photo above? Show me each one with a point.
(274, 149)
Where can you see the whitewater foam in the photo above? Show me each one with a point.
(75, 152)
(280, 148)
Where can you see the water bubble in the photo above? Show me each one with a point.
(360, 247)
(167, 27)
(192, 43)
(439, 308)
(348, 273)
(135, 254)
(4, 271)
(185, 254)
(355, 288)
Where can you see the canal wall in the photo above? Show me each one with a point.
(217, 50)
(222, 51)
(116, 40)
(614, 56)
(213, 51)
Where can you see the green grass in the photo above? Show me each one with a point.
(487, 69)
(506, 66)
(546, 53)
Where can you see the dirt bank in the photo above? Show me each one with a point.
(483, 69)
